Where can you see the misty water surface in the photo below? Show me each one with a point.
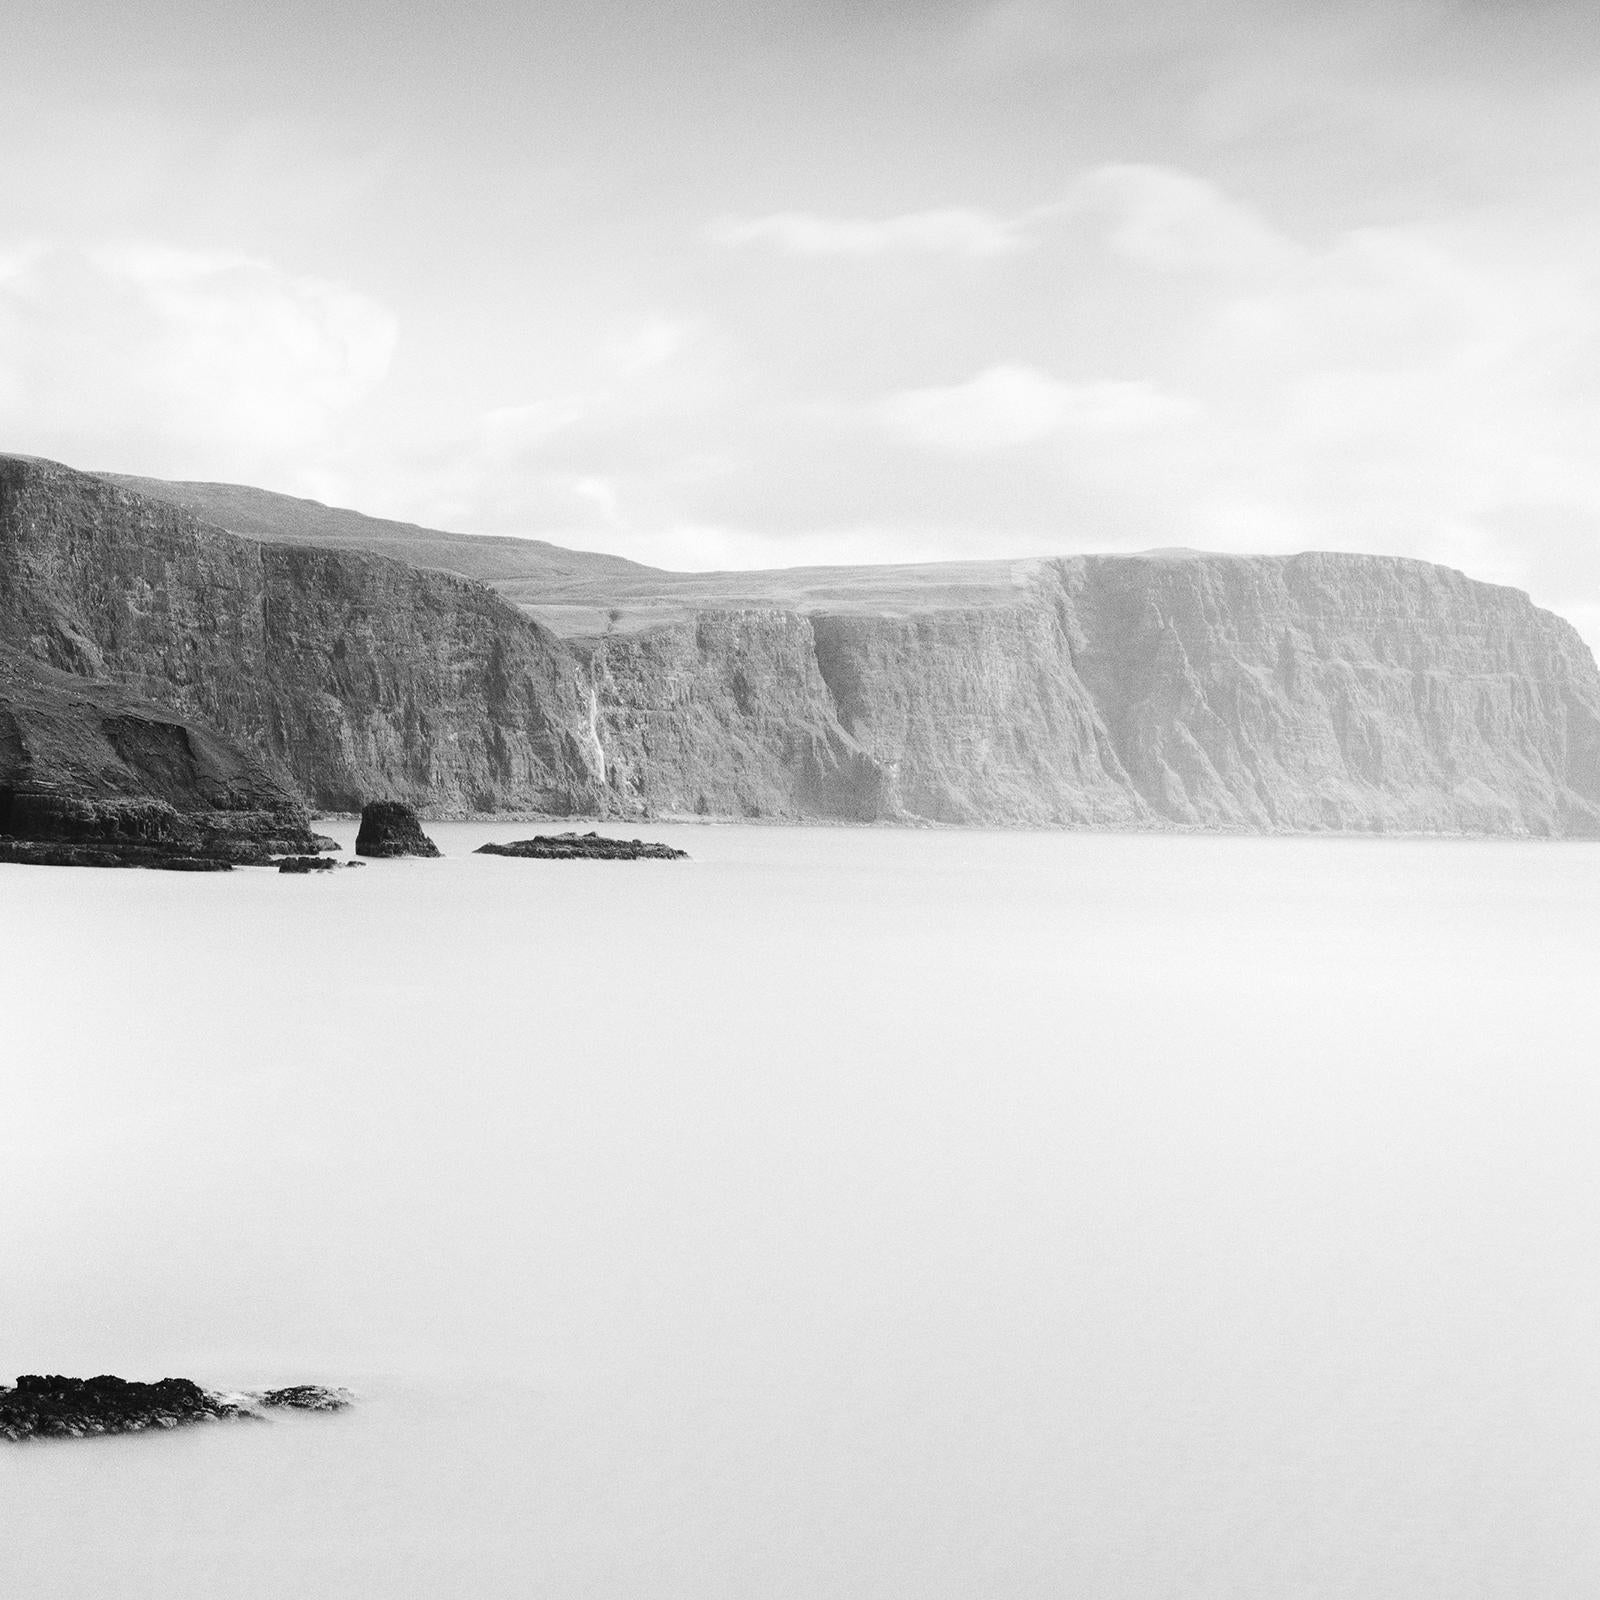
(843, 1213)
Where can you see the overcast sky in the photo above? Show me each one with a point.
(765, 284)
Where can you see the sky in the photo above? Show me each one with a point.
(718, 285)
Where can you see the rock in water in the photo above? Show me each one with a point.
(307, 1397)
(42, 1407)
(306, 864)
(392, 828)
(583, 847)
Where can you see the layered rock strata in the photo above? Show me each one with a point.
(91, 775)
(1312, 692)
(359, 674)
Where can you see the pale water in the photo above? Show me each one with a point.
(838, 1214)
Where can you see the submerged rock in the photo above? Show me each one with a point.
(53, 1406)
(392, 828)
(306, 864)
(583, 847)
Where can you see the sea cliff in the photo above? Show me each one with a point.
(1312, 692)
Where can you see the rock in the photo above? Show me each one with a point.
(392, 828)
(308, 1397)
(355, 863)
(76, 1407)
(57, 1407)
(305, 864)
(583, 847)
(92, 775)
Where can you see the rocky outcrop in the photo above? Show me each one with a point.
(390, 828)
(91, 775)
(57, 1407)
(583, 847)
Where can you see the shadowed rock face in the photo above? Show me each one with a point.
(91, 775)
(391, 828)
(356, 673)
(1321, 691)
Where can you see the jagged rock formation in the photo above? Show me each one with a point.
(1321, 691)
(583, 847)
(52, 1406)
(390, 828)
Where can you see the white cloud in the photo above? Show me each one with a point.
(958, 231)
(1171, 220)
(173, 354)
(1008, 406)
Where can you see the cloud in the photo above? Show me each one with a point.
(1008, 406)
(172, 354)
(1176, 222)
(955, 231)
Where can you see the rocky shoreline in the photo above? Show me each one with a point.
(56, 1407)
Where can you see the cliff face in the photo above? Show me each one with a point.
(1306, 692)
(360, 675)
(1297, 693)
(729, 715)
(91, 765)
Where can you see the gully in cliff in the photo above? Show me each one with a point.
(41, 1407)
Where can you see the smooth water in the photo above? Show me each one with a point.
(843, 1213)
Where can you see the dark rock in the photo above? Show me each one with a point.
(91, 775)
(57, 1407)
(308, 1397)
(306, 864)
(392, 828)
(76, 1407)
(583, 847)
(355, 863)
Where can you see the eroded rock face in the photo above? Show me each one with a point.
(391, 828)
(357, 674)
(583, 847)
(91, 775)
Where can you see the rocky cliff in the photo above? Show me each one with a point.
(1294, 693)
(1318, 691)
(361, 675)
(91, 773)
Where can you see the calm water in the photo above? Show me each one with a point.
(841, 1214)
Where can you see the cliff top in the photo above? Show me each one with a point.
(583, 594)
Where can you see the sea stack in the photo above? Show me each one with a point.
(392, 828)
